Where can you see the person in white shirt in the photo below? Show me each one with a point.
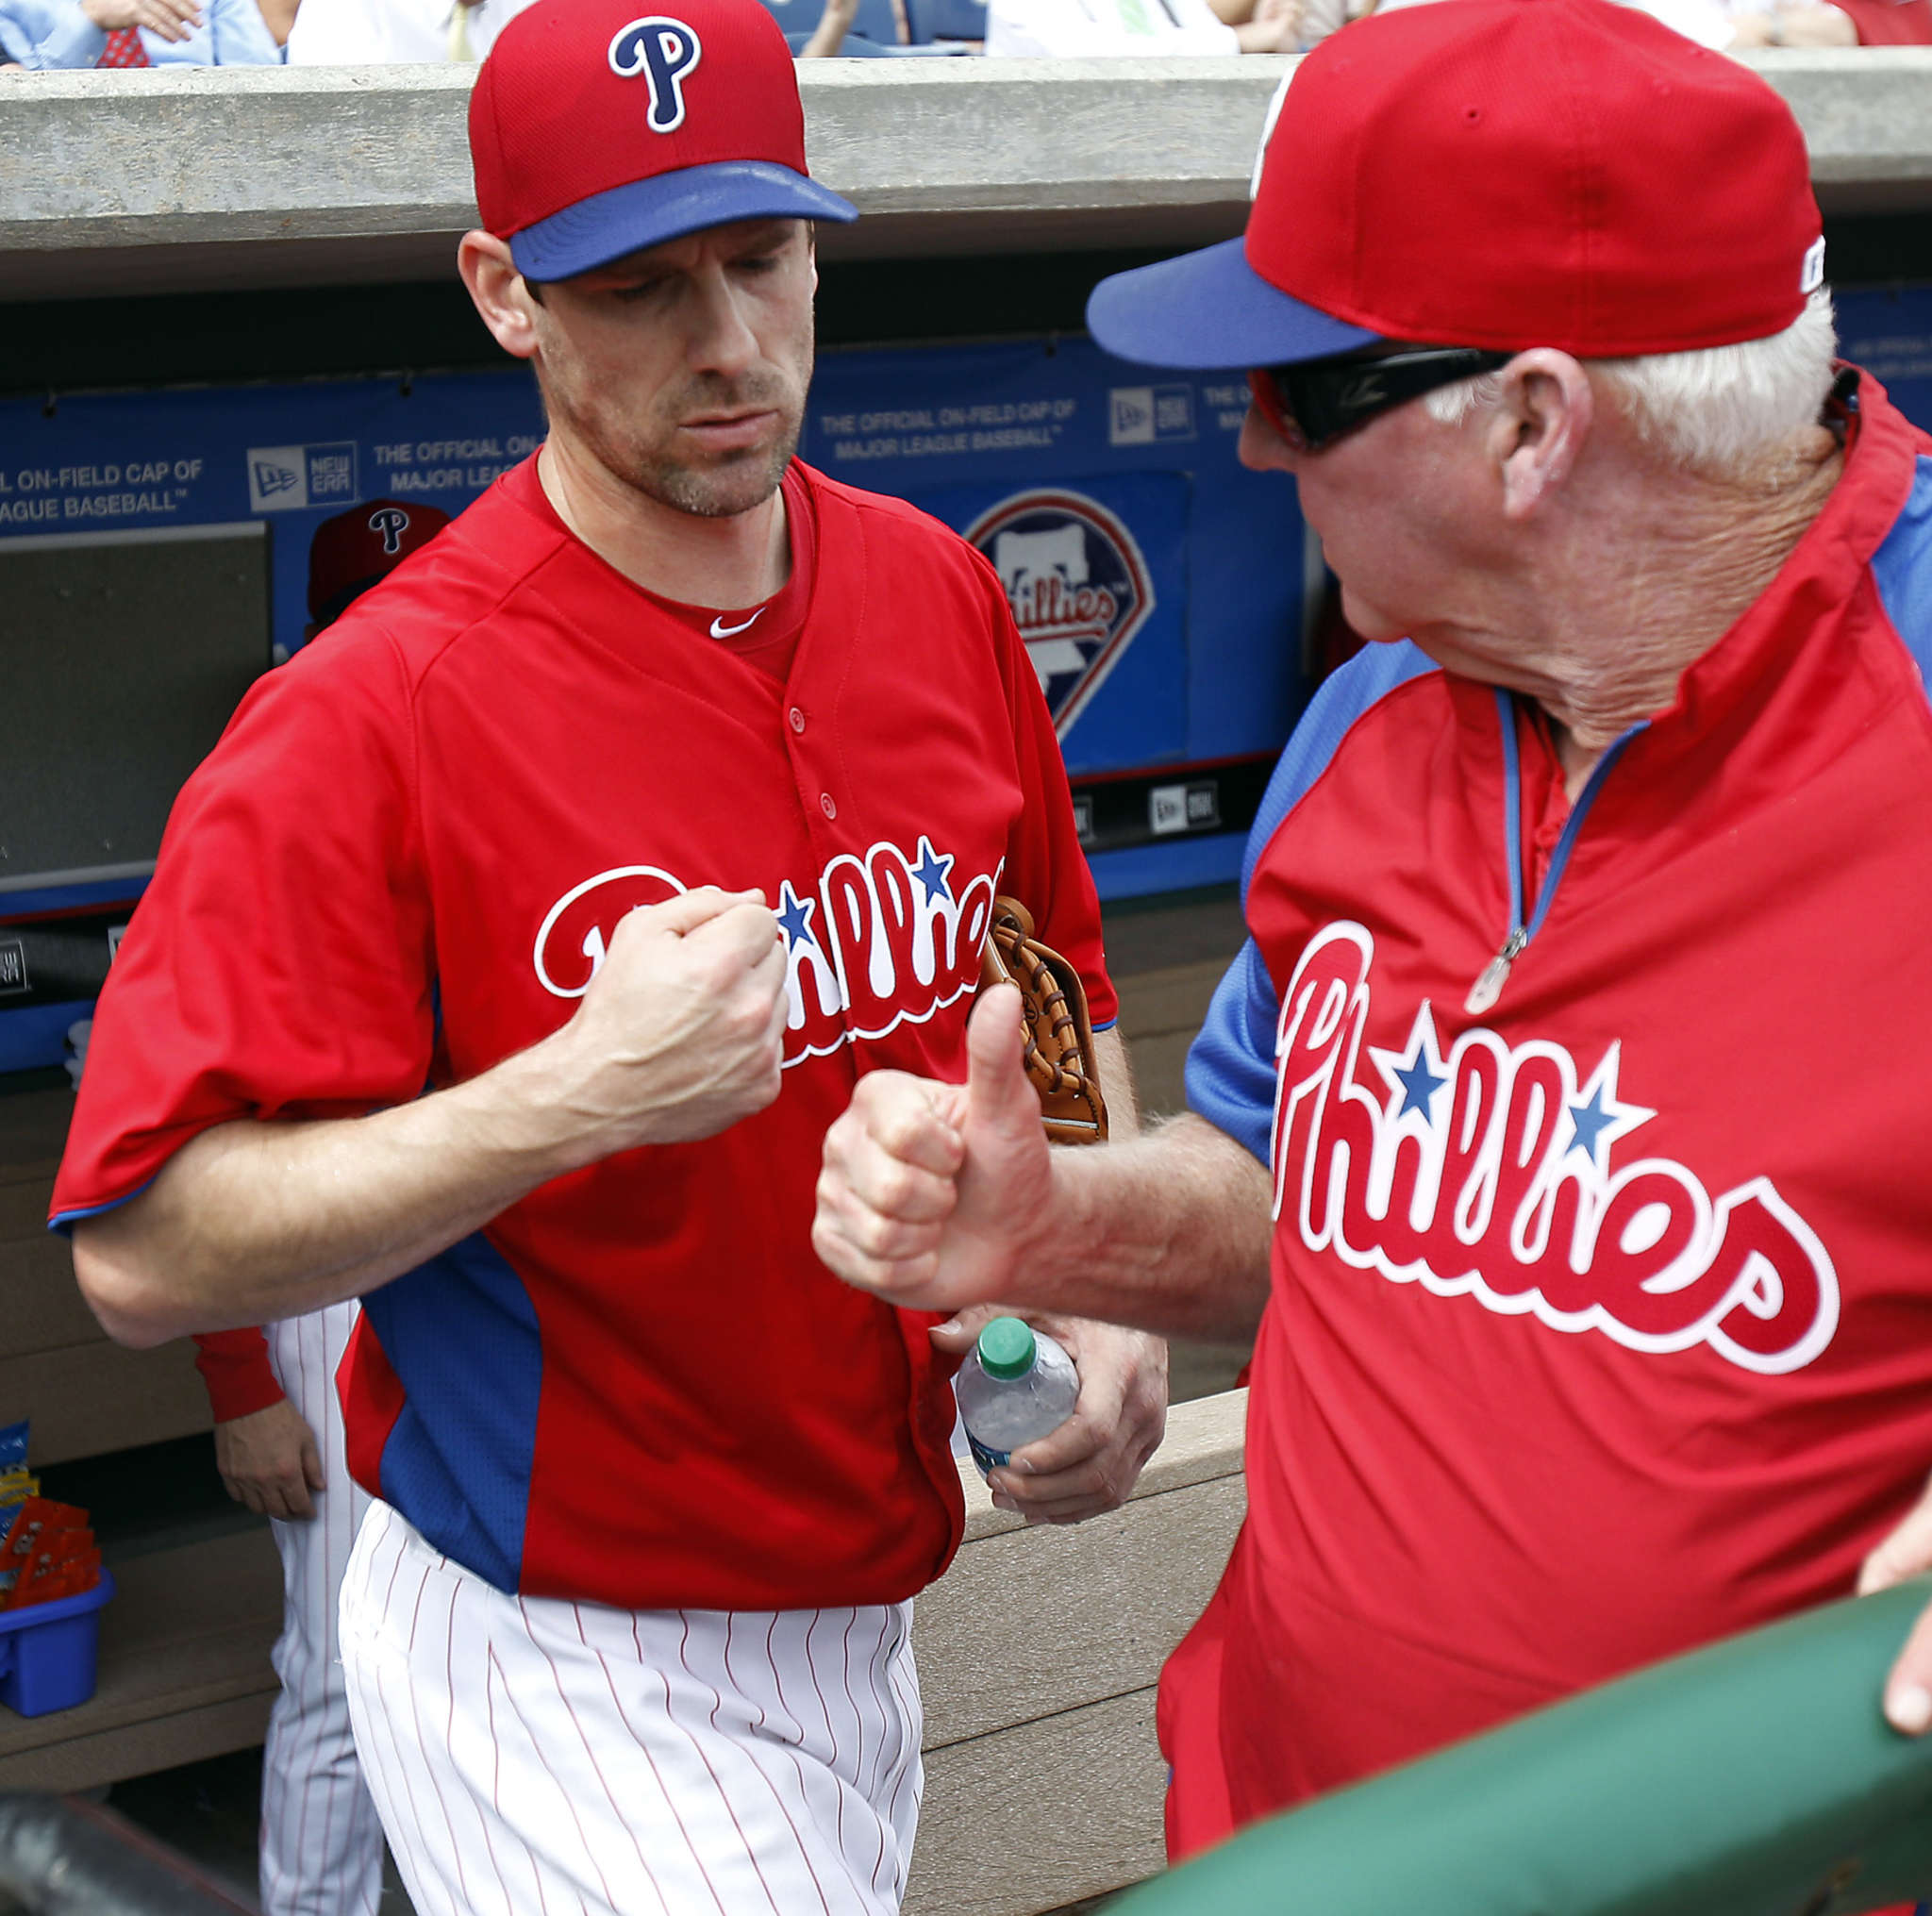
(396, 32)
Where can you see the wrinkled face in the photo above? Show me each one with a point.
(682, 369)
(1395, 506)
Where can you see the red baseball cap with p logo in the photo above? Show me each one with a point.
(349, 553)
(1497, 173)
(597, 129)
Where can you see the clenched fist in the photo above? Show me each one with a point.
(679, 1034)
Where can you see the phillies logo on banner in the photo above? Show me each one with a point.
(1487, 1173)
(664, 51)
(872, 943)
(1077, 585)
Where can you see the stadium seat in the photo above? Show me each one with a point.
(854, 46)
(876, 21)
(931, 20)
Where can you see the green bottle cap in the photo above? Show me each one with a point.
(1006, 1348)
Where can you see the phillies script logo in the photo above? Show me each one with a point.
(1077, 586)
(877, 941)
(1487, 1173)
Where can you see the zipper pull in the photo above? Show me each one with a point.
(1494, 976)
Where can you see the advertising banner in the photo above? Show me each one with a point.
(159, 549)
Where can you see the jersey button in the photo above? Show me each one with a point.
(827, 804)
(797, 719)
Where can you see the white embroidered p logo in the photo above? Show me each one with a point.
(664, 51)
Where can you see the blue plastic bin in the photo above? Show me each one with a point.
(47, 1651)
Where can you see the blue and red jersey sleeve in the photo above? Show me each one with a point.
(1230, 1072)
(279, 965)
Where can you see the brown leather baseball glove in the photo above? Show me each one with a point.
(1060, 1038)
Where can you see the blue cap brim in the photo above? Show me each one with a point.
(647, 212)
(1211, 313)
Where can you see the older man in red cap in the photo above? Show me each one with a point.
(1562, 1126)
(506, 966)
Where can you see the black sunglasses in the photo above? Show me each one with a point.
(1319, 401)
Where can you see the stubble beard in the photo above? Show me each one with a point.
(735, 483)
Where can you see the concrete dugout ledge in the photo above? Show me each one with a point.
(166, 180)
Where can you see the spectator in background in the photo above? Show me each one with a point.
(1724, 25)
(1851, 22)
(1282, 26)
(828, 37)
(1109, 28)
(335, 33)
(46, 35)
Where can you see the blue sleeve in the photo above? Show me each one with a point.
(1902, 569)
(1231, 1064)
(1230, 1075)
(48, 37)
(232, 34)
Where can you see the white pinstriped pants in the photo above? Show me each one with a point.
(532, 1757)
(321, 1841)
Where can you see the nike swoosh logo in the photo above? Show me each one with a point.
(721, 630)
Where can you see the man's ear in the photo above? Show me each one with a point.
(1539, 428)
(498, 292)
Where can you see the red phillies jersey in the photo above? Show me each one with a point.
(404, 862)
(1601, 1317)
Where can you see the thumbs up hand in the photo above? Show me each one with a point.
(932, 1195)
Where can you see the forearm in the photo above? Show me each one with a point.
(678, 1036)
(828, 36)
(254, 1222)
(1168, 1232)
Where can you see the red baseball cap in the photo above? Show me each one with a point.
(1502, 174)
(596, 130)
(352, 551)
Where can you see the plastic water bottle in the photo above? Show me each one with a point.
(1015, 1386)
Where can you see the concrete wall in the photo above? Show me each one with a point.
(166, 180)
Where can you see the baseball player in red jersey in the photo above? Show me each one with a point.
(1562, 1126)
(278, 1446)
(505, 966)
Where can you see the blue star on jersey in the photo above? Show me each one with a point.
(1416, 1073)
(1597, 1120)
(933, 871)
(795, 914)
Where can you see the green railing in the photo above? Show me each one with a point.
(1756, 1778)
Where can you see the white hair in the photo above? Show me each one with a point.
(1720, 409)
